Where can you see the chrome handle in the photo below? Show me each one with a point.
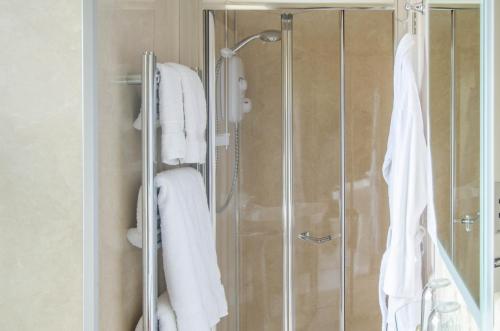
(497, 262)
(317, 240)
(468, 221)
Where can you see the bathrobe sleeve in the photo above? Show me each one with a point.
(405, 172)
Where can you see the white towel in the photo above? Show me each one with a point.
(134, 235)
(195, 112)
(183, 115)
(170, 97)
(189, 256)
(166, 316)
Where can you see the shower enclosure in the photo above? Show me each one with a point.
(298, 200)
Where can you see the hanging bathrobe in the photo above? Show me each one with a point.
(406, 169)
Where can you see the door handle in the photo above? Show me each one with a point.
(306, 236)
(468, 221)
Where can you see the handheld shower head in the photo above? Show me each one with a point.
(268, 36)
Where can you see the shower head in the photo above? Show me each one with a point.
(268, 36)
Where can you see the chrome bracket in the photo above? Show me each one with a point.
(306, 236)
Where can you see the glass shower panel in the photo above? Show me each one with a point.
(259, 198)
(226, 225)
(466, 240)
(316, 142)
(368, 101)
(440, 119)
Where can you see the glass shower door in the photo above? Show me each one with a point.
(367, 49)
(333, 280)
(249, 174)
(316, 169)
(466, 228)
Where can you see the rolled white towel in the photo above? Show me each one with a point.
(165, 314)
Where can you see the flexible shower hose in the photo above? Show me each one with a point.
(236, 161)
(236, 168)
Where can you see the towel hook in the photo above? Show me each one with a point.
(412, 8)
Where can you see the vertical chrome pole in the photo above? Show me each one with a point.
(149, 227)
(287, 108)
(342, 174)
(207, 76)
(452, 137)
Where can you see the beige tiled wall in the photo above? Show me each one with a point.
(41, 264)
(369, 91)
(125, 30)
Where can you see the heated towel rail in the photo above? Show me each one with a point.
(150, 80)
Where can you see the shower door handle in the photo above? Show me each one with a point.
(468, 221)
(317, 240)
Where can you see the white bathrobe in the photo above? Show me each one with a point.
(407, 171)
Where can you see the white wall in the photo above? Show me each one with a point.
(40, 165)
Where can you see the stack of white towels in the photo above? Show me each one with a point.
(195, 299)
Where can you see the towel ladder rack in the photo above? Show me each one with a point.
(151, 239)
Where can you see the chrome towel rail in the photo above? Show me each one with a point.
(149, 204)
(136, 79)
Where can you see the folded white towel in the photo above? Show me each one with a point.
(166, 316)
(195, 112)
(189, 256)
(183, 115)
(170, 96)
